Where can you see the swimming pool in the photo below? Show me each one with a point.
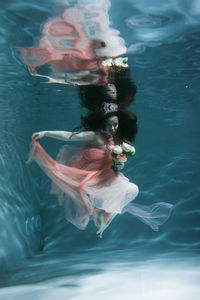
(43, 256)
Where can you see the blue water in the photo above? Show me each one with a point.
(41, 255)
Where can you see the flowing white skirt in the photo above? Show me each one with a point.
(77, 184)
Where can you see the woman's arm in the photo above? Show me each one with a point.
(66, 135)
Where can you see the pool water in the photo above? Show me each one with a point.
(41, 255)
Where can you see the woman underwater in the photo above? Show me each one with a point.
(88, 181)
(80, 48)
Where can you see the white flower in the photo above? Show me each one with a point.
(126, 147)
(107, 62)
(117, 149)
(121, 62)
(132, 149)
(119, 166)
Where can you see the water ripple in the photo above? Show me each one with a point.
(146, 21)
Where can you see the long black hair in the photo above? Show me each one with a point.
(127, 129)
(92, 96)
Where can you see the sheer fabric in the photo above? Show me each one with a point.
(153, 215)
(85, 183)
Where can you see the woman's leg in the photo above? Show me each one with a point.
(131, 193)
(106, 218)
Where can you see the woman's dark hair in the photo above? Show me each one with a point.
(92, 96)
(127, 125)
(127, 129)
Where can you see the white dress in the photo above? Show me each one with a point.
(87, 186)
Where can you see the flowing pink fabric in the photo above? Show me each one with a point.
(68, 51)
(85, 183)
(70, 183)
(64, 46)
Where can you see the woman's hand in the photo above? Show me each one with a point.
(38, 135)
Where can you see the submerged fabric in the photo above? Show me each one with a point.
(85, 183)
(71, 182)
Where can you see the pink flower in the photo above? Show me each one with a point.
(121, 158)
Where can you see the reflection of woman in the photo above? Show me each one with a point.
(87, 181)
(74, 45)
(119, 88)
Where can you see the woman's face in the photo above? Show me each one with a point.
(112, 124)
(111, 91)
